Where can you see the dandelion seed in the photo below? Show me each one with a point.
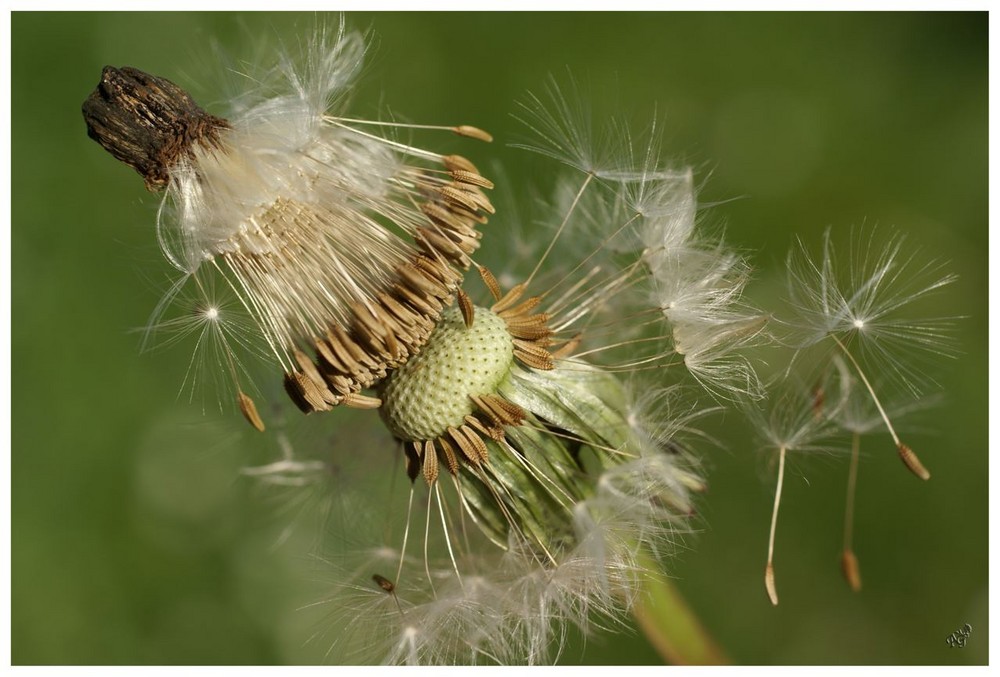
(859, 417)
(791, 426)
(342, 244)
(223, 333)
(864, 305)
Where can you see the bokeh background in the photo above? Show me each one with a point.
(135, 540)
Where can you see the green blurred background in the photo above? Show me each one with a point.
(135, 541)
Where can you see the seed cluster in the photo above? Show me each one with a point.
(345, 275)
(445, 399)
(384, 334)
(434, 390)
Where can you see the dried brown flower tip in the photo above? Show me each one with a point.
(147, 122)
(384, 583)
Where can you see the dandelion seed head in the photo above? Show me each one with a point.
(546, 434)
(459, 363)
(566, 467)
(341, 242)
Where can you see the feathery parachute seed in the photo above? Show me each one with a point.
(860, 414)
(343, 245)
(789, 426)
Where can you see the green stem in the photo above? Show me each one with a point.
(670, 624)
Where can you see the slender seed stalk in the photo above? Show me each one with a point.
(562, 225)
(447, 536)
(906, 454)
(848, 560)
(772, 592)
(406, 534)
(462, 130)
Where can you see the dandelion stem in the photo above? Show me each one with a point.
(769, 570)
(569, 212)
(905, 453)
(670, 624)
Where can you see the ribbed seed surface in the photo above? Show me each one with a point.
(421, 399)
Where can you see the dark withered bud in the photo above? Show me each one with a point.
(147, 122)
(384, 583)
